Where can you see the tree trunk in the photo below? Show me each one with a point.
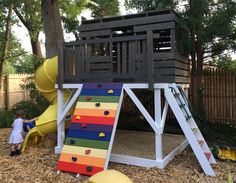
(52, 27)
(36, 48)
(6, 40)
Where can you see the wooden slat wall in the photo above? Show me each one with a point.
(134, 48)
(220, 96)
(12, 92)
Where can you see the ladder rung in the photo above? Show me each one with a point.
(201, 142)
(176, 94)
(188, 117)
(181, 105)
(208, 155)
(194, 130)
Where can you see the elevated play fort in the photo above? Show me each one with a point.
(113, 56)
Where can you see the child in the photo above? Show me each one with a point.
(16, 138)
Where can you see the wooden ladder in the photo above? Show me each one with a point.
(179, 105)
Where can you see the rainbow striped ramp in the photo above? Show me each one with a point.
(90, 137)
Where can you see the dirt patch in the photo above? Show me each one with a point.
(38, 165)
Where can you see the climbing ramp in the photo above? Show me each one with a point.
(89, 140)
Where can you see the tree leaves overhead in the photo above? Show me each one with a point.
(29, 13)
(70, 11)
(103, 8)
(148, 5)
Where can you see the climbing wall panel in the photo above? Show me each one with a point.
(86, 147)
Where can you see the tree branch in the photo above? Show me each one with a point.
(16, 55)
(25, 23)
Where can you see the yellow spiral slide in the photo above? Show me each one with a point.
(45, 79)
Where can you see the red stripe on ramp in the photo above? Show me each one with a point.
(94, 120)
(77, 168)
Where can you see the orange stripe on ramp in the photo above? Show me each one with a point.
(94, 112)
(84, 160)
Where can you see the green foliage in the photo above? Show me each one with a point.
(6, 118)
(35, 96)
(148, 5)
(219, 134)
(227, 63)
(8, 68)
(27, 64)
(69, 14)
(30, 108)
(29, 12)
(103, 8)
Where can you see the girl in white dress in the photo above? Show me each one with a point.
(16, 138)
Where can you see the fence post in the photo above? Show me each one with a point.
(7, 92)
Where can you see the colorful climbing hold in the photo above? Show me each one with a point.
(88, 151)
(77, 117)
(88, 98)
(74, 159)
(83, 125)
(101, 134)
(72, 142)
(110, 91)
(106, 112)
(99, 85)
(97, 104)
(89, 168)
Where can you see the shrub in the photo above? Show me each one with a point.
(30, 108)
(6, 118)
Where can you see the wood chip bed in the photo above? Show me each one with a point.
(38, 164)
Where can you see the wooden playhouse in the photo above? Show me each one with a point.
(115, 55)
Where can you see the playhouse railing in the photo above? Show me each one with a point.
(137, 53)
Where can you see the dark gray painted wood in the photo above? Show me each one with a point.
(106, 40)
(95, 33)
(128, 22)
(99, 59)
(150, 64)
(131, 59)
(159, 26)
(124, 58)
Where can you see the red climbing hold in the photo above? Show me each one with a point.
(83, 125)
(88, 98)
(87, 151)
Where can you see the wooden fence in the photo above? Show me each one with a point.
(219, 92)
(11, 90)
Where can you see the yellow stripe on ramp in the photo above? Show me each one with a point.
(99, 153)
(91, 105)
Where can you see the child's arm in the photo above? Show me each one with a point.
(29, 120)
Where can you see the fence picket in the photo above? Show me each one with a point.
(12, 92)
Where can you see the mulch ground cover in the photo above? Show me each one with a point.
(38, 165)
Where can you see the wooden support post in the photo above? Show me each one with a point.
(150, 59)
(157, 109)
(172, 33)
(60, 123)
(61, 60)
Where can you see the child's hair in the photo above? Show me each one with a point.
(20, 113)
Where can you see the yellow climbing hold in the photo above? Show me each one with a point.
(110, 91)
(101, 134)
(77, 117)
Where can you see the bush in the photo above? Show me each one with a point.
(30, 108)
(6, 118)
